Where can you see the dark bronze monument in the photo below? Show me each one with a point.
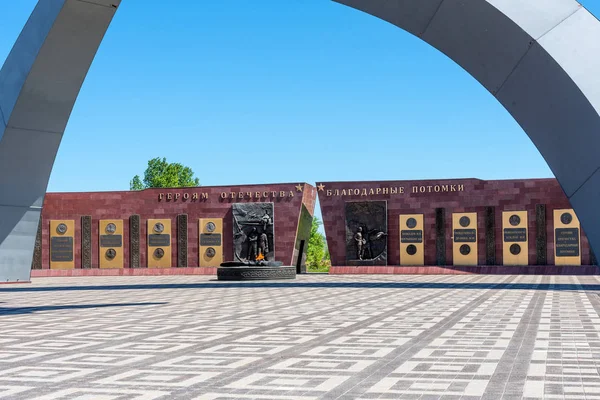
(253, 232)
(366, 233)
(253, 246)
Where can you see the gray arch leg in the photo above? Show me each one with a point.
(540, 59)
(39, 84)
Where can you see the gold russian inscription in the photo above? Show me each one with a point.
(169, 196)
(386, 190)
(282, 194)
(195, 196)
(329, 192)
(205, 196)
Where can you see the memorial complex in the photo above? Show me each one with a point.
(173, 231)
(404, 227)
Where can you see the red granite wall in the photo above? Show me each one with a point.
(168, 203)
(475, 196)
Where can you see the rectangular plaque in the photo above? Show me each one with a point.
(210, 239)
(412, 236)
(111, 240)
(159, 240)
(465, 236)
(515, 235)
(61, 249)
(567, 242)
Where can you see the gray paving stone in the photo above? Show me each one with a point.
(319, 337)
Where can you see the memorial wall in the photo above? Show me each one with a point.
(451, 224)
(165, 229)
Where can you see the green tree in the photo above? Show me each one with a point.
(317, 255)
(162, 174)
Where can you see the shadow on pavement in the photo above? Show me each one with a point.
(310, 285)
(29, 310)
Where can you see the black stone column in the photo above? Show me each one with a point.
(182, 240)
(440, 236)
(541, 242)
(490, 235)
(134, 241)
(37, 250)
(86, 241)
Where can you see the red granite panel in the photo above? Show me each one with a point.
(168, 203)
(423, 197)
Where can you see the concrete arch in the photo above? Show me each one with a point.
(539, 58)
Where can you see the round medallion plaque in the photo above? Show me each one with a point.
(61, 228)
(210, 252)
(515, 249)
(111, 228)
(464, 221)
(210, 227)
(411, 249)
(566, 218)
(159, 253)
(465, 249)
(159, 227)
(514, 220)
(411, 223)
(111, 254)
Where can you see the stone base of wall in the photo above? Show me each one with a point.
(482, 270)
(46, 273)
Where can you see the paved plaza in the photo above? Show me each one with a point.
(332, 337)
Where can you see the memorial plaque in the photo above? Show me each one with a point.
(567, 242)
(366, 233)
(412, 236)
(210, 239)
(62, 244)
(515, 235)
(567, 238)
(515, 238)
(111, 240)
(411, 240)
(464, 230)
(465, 235)
(157, 240)
(159, 253)
(61, 249)
(210, 252)
(253, 231)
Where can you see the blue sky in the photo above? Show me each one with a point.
(276, 91)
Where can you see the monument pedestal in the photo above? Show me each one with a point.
(255, 273)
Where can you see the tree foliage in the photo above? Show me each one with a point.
(162, 174)
(317, 255)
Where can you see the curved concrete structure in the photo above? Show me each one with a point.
(539, 58)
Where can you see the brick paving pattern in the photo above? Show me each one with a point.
(331, 337)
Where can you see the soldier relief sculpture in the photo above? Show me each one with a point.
(366, 233)
(253, 232)
(253, 246)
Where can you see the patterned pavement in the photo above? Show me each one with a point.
(330, 337)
